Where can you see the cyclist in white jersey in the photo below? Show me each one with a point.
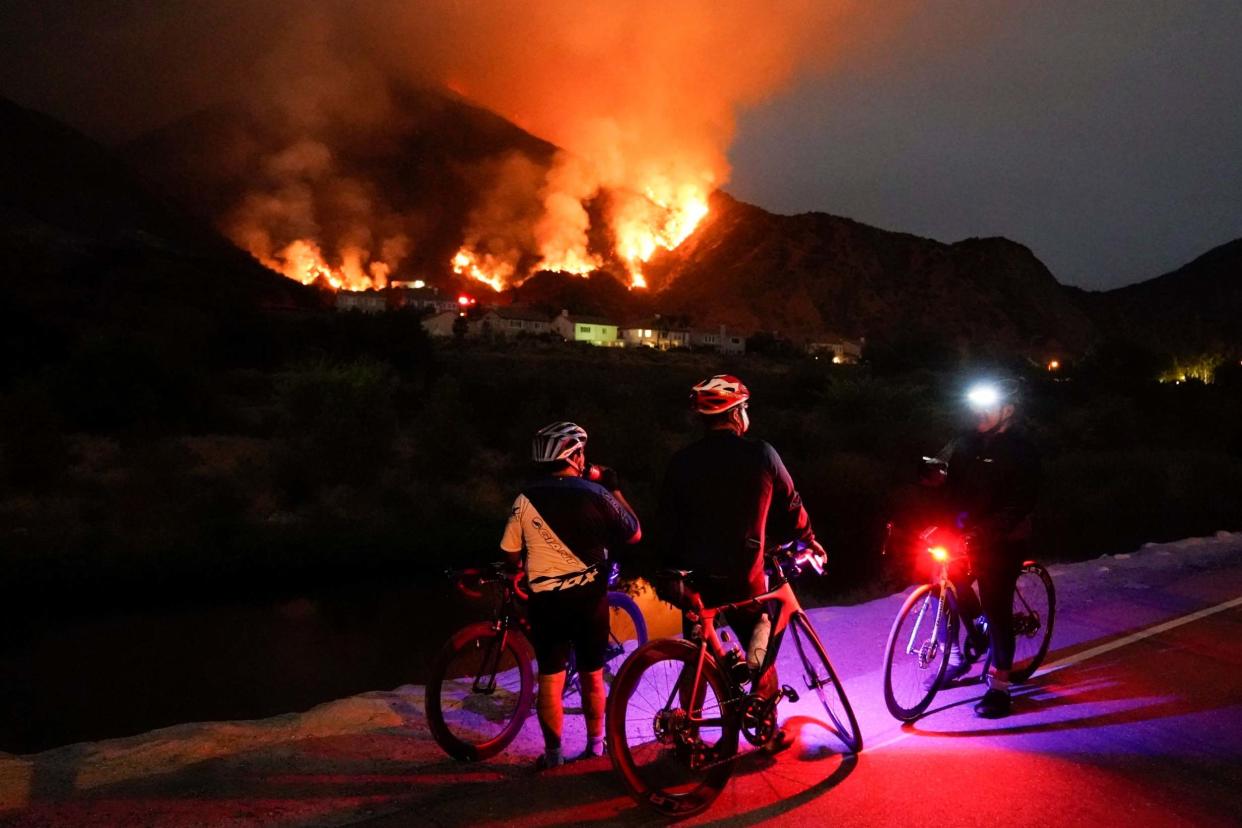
(562, 526)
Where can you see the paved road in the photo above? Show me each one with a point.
(1139, 732)
(1136, 721)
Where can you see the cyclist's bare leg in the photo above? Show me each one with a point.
(551, 716)
(593, 696)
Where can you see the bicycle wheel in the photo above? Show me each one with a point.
(627, 631)
(667, 762)
(917, 652)
(1034, 609)
(820, 676)
(480, 691)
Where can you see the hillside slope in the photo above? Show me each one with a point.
(806, 273)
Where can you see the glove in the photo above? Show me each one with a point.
(821, 555)
(605, 476)
(511, 568)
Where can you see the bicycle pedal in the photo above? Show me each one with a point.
(789, 693)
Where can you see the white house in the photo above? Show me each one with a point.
(720, 341)
(657, 333)
(514, 320)
(367, 301)
(441, 324)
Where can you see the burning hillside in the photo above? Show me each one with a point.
(636, 100)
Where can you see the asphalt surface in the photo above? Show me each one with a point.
(1146, 729)
(1136, 719)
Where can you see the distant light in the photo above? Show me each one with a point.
(465, 300)
(1054, 365)
(419, 283)
(983, 396)
(836, 360)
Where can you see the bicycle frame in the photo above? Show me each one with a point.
(945, 556)
(704, 619)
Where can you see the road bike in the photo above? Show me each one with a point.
(677, 706)
(481, 687)
(917, 653)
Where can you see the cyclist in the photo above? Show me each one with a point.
(723, 495)
(563, 526)
(991, 474)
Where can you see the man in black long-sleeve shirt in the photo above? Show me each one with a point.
(992, 484)
(723, 496)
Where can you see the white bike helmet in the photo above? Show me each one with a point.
(557, 441)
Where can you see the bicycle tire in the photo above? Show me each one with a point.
(471, 726)
(823, 679)
(1039, 606)
(660, 776)
(621, 642)
(905, 702)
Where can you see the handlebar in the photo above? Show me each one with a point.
(792, 557)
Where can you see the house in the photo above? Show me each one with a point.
(366, 301)
(402, 295)
(442, 323)
(720, 341)
(514, 320)
(590, 329)
(842, 350)
(660, 333)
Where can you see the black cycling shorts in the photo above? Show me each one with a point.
(574, 618)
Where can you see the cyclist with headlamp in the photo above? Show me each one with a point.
(991, 474)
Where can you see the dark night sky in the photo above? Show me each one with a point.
(1107, 136)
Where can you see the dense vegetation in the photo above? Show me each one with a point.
(275, 451)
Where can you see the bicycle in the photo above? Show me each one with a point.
(928, 621)
(481, 687)
(678, 706)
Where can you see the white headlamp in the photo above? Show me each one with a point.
(983, 396)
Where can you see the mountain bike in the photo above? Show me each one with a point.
(482, 684)
(917, 653)
(677, 706)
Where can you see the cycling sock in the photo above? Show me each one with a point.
(593, 696)
(551, 711)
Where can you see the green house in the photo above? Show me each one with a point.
(591, 329)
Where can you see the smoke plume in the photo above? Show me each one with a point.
(640, 96)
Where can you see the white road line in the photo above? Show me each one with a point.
(1078, 658)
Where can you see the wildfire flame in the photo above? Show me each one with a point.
(641, 224)
(486, 269)
(644, 225)
(303, 261)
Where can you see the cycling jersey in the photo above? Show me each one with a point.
(565, 526)
(993, 484)
(722, 495)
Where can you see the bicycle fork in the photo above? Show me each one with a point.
(485, 681)
(926, 651)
